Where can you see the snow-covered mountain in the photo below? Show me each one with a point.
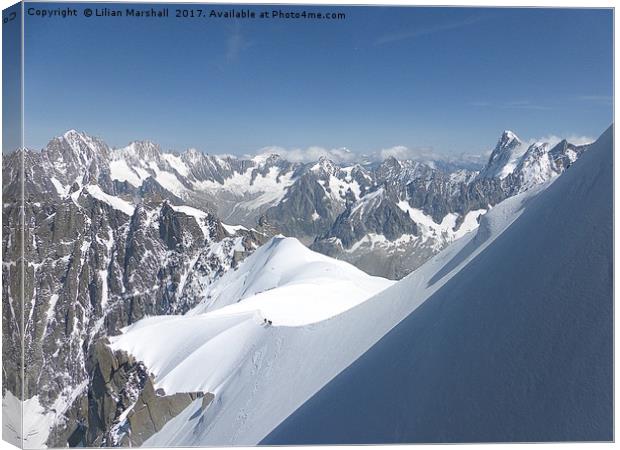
(116, 235)
(290, 285)
(460, 350)
(440, 206)
(530, 164)
(502, 161)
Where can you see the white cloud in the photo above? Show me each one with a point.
(398, 152)
(524, 104)
(598, 99)
(512, 104)
(344, 155)
(311, 154)
(419, 154)
(402, 152)
(553, 140)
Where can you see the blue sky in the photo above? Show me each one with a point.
(445, 79)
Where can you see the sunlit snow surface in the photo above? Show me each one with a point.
(447, 227)
(283, 282)
(114, 202)
(268, 188)
(290, 285)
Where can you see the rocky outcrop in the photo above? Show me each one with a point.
(154, 409)
(378, 214)
(122, 406)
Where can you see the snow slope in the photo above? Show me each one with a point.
(516, 346)
(263, 189)
(27, 424)
(114, 202)
(282, 281)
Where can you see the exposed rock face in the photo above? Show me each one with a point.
(305, 199)
(386, 244)
(564, 154)
(377, 214)
(99, 255)
(123, 408)
(12, 275)
(153, 410)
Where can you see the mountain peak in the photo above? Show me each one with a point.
(509, 138)
(74, 137)
(326, 161)
(324, 166)
(267, 158)
(539, 145)
(142, 149)
(501, 161)
(76, 146)
(391, 163)
(72, 133)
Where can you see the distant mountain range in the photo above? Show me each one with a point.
(363, 213)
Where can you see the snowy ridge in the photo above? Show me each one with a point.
(290, 285)
(283, 282)
(114, 202)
